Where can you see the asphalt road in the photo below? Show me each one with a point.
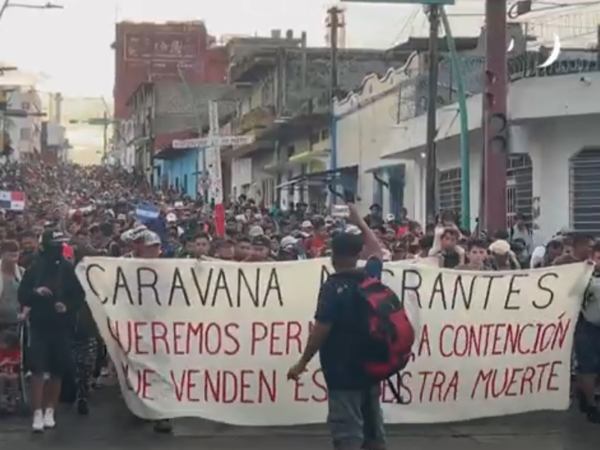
(110, 427)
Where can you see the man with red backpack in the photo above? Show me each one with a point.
(363, 337)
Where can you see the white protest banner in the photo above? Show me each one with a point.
(215, 340)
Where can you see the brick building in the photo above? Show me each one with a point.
(147, 52)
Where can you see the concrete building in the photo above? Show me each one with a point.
(164, 111)
(175, 51)
(54, 144)
(23, 123)
(554, 160)
(286, 105)
(89, 134)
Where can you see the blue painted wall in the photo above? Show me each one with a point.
(180, 171)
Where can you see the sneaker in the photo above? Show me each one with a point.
(49, 421)
(82, 407)
(38, 421)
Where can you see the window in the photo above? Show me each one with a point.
(519, 186)
(396, 188)
(584, 191)
(291, 150)
(325, 134)
(450, 190)
(185, 184)
(25, 106)
(25, 134)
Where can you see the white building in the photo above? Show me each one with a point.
(24, 125)
(88, 133)
(123, 146)
(554, 166)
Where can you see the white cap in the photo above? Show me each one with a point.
(288, 241)
(500, 247)
(306, 224)
(171, 217)
(390, 217)
(256, 230)
(352, 229)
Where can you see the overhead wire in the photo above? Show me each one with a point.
(407, 23)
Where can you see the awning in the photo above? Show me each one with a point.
(345, 177)
(394, 170)
(314, 158)
(390, 164)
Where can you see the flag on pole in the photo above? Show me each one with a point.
(12, 200)
(146, 211)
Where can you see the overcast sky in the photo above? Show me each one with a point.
(72, 46)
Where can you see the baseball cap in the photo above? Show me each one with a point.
(150, 238)
(261, 241)
(288, 241)
(255, 231)
(52, 237)
(500, 247)
(133, 234)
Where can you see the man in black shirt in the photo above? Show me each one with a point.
(355, 418)
(51, 296)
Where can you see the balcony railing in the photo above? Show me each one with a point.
(254, 121)
(414, 88)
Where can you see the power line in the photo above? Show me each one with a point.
(407, 22)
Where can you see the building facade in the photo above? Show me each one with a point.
(23, 123)
(286, 105)
(553, 141)
(176, 51)
(164, 111)
(85, 126)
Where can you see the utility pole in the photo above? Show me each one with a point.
(105, 136)
(495, 123)
(431, 160)
(333, 23)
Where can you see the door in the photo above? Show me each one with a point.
(519, 187)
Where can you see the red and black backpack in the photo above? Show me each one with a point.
(390, 335)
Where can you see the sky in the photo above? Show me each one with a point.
(71, 47)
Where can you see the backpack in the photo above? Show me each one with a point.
(390, 334)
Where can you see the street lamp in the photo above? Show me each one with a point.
(8, 4)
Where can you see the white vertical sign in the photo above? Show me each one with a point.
(213, 155)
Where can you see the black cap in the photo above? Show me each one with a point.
(261, 241)
(346, 245)
(52, 238)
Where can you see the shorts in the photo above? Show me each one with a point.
(587, 347)
(355, 419)
(49, 352)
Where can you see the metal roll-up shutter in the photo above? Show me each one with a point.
(519, 186)
(584, 191)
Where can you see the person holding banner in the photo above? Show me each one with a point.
(355, 417)
(587, 332)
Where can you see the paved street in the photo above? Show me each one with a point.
(110, 427)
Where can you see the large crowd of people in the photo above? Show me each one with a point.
(73, 211)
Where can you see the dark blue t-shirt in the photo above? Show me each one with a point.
(339, 306)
